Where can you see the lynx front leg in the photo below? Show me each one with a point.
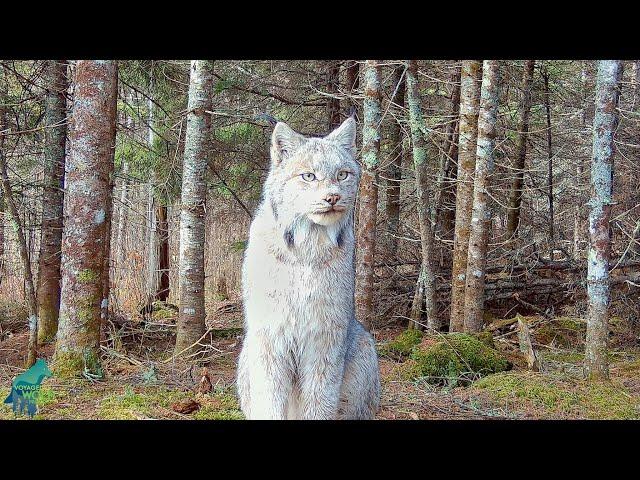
(321, 378)
(270, 379)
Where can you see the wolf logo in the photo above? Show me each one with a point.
(25, 388)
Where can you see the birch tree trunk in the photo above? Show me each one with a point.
(85, 231)
(30, 292)
(470, 82)
(153, 246)
(191, 320)
(395, 165)
(481, 214)
(52, 200)
(426, 279)
(598, 289)
(368, 198)
(515, 195)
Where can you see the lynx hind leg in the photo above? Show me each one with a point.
(360, 393)
(242, 382)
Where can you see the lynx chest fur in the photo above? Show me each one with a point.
(304, 354)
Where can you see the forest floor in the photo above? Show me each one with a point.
(142, 381)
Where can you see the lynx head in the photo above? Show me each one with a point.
(313, 180)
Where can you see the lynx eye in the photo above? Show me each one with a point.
(308, 177)
(343, 175)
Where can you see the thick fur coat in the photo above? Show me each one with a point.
(304, 355)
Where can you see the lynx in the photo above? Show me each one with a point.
(304, 354)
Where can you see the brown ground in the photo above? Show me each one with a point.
(142, 381)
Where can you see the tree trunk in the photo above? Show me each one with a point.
(368, 199)
(635, 75)
(577, 225)
(153, 246)
(445, 192)
(394, 173)
(30, 292)
(353, 81)
(481, 214)
(162, 228)
(598, 288)
(333, 102)
(2, 202)
(87, 206)
(515, 196)
(191, 320)
(52, 201)
(158, 254)
(122, 218)
(106, 257)
(467, 138)
(426, 279)
(547, 107)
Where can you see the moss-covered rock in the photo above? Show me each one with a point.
(560, 398)
(403, 344)
(453, 358)
(567, 332)
(163, 311)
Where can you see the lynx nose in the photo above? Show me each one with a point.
(332, 199)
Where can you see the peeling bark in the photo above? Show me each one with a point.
(598, 284)
(90, 166)
(426, 280)
(481, 214)
(470, 82)
(191, 320)
(515, 196)
(368, 197)
(52, 201)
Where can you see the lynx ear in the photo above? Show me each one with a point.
(345, 135)
(284, 141)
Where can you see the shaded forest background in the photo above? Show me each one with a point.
(538, 191)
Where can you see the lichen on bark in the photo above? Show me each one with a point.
(88, 190)
(471, 78)
(598, 288)
(191, 319)
(481, 214)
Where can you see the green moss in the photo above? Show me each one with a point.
(402, 344)
(230, 332)
(132, 404)
(564, 357)
(455, 357)
(592, 400)
(219, 406)
(87, 276)
(486, 337)
(566, 332)
(73, 363)
(154, 402)
(162, 310)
